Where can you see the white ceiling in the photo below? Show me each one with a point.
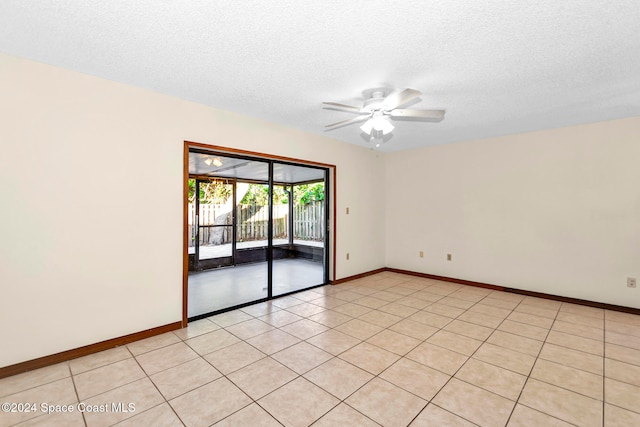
(497, 66)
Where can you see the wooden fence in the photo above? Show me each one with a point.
(252, 222)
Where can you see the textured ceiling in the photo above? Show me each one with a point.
(496, 66)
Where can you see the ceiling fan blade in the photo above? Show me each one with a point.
(431, 115)
(398, 98)
(347, 122)
(342, 107)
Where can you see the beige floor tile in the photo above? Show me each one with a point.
(621, 371)
(59, 392)
(506, 296)
(500, 303)
(522, 329)
(575, 342)
(260, 309)
(234, 357)
(299, 403)
(69, 419)
(579, 330)
(414, 329)
(523, 416)
(431, 319)
(618, 316)
(470, 330)
(304, 328)
(353, 310)
(369, 357)
(622, 328)
(414, 302)
(348, 295)
(330, 318)
(153, 343)
(561, 403)
(415, 377)
(333, 341)
(455, 342)
(515, 342)
(211, 341)
(262, 377)
(582, 310)
(542, 303)
(505, 358)
(501, 313)
(210, 403)
(492, 378)
(338, 377)
(623, 354)
(618, 417)
(249, 328)
(305, 309)
(435, 416)
(142, 393)
(530, 319)
(622, 339)
(196, 328)
(302, 357)
(394, 342)
(230, 318)
(567, 377)
(444, 310)
(574, 358)
(106, 378)
(31, 379)
(399, 310)
(439, 358)
(359, 329)
(183, 378)
(307, 296)
(380, 318)
(158, 416)
(371, 302)
(537, 311)
(474, 404)
(580, 320)
(373, 399)
(387, 296)
(273, 341)
(480, 319)
(621, 394)
(328, 302)
(280, 318)
(166, 357)
(97, 360)
(344, 415)
(252, 415)
(456, 302)
(401, 290)
(427, 296)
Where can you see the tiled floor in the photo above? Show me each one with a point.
(388, 350)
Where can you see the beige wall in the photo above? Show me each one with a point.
(555, 211)
(79, 262)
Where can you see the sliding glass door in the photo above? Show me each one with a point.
(259, 230)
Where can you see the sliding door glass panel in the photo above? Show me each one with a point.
(231, 274)
(299, 208)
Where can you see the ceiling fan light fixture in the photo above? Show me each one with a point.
(213, 161)
(382, 124)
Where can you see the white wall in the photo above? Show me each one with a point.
(555, 211)
(80, 260)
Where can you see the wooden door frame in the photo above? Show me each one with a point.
(185, 202)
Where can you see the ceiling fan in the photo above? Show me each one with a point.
(380, 104)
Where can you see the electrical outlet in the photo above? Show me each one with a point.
(421, 254)
(347, 256)
(631, 282)
(448, 257)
